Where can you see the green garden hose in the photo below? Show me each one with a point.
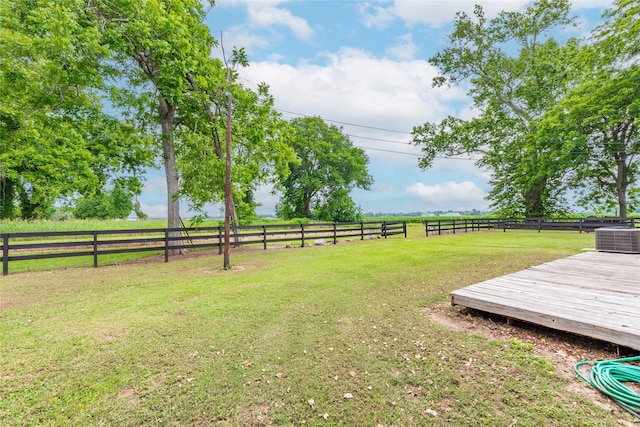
(608, 376)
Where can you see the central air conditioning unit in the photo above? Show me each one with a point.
(625, 240)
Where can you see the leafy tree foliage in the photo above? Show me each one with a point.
(56, 140)
(152, 59)
(328, 168)
(162, 49)
(516, 73)
(600, 124)
(261, 150)
(115, 203)
(617, 39)
(596, 126)
(155, 44)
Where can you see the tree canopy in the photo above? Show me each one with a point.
(515, 72)
(150, 61)
(596, 124)
(598, 128)
(555, 117)
(55, 138)
(328, 167)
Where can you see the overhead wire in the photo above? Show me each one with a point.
(417, 155)
(346, 123)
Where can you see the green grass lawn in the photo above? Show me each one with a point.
(331, 335)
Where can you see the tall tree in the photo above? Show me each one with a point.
(328, 168)
(261, 149)
(157, 44)
(515, 72)
(597, 127)
(55, 139)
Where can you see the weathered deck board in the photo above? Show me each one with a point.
(594, 294)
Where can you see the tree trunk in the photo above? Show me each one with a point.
(167, 113)
(227, 187)
(306, 208)
(218, 150)
(621, 186)
(534, 203)
(7, 198)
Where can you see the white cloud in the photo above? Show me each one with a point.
(450, 195)
(156, 184)
(404, 49)
(434, 13)
(374, 16)
(261, 15)
(591, 4)
(239, 36)
(154, 211)
(353, 86)
(266, 14)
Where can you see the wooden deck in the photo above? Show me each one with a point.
(594, 294)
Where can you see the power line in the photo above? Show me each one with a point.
(574, 152)
(417, 155)
(387, 151)
(345, 123)
(378, 139)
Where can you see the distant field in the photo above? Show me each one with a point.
(80, 225)
(326, 335)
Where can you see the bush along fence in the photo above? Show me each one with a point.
(64, 244)
(569, 224)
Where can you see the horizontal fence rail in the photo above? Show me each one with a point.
(64, 244)
(539, 224)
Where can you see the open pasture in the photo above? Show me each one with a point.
(331, 335)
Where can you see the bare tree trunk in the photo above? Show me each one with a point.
(167, 113)
(217, 145)
(231, 206)
(227, 188)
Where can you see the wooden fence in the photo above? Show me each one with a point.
(539, 224)
(47, 245)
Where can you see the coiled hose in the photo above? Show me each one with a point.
(608, 376)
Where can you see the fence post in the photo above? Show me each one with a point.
(166, 245)
(302, 233)
(439, 227)
(361, 230)
(384, 229)
(404, 228)
(5, 254)
(264, 236)
(539, 224)
(95, 249)
(335, 234)
(454, 226)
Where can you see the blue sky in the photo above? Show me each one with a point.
(362, 65)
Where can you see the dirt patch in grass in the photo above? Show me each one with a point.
(563, 349)
(129, 396)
